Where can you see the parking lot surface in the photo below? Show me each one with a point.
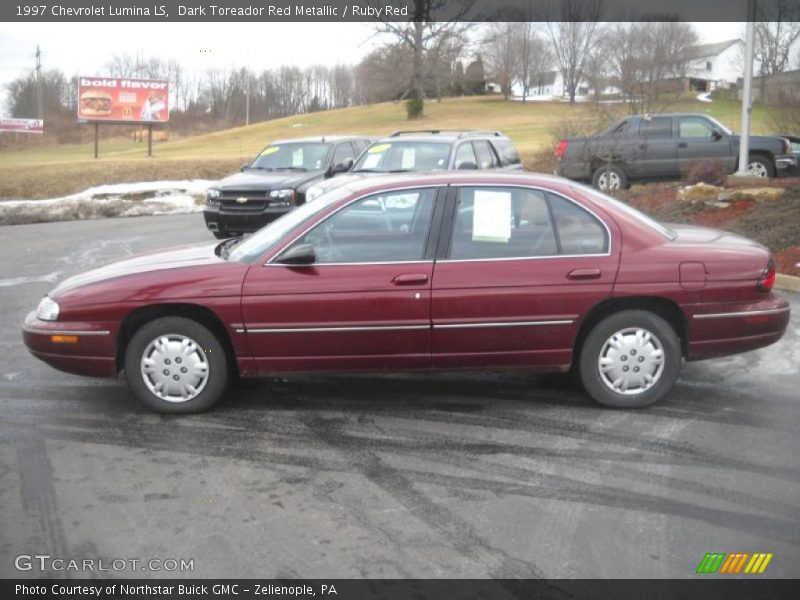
(405, 475)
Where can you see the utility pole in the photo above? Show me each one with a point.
(39, 111)
(747, 91)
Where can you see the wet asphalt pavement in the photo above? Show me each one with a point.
(412, 475)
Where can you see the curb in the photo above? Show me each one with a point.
(787, 283)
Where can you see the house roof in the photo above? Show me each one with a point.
(707, 50)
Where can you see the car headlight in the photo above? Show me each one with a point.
(313, 193)
(213, 194)
(281, 197)
(47, 309)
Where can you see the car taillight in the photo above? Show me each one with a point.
(561, 149)
(767, 279)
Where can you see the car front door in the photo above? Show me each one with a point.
(364, 303)
(521, 267)
(698, 140)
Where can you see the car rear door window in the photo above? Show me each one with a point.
(502, 222)
(577, 230)
(658, 128)
(465, 157)
(485, 154)
(386, 227)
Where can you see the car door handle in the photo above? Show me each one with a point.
(410, 279)
(683, 145)
(584, 274)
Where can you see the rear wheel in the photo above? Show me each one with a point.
(176, 365)
(609, 178)
(630, 359)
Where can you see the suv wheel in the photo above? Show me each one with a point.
(630, 359)
(758, 166)
(609, 178)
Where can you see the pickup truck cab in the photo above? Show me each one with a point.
(661, 147)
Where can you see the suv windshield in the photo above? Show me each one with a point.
(388, 157)
(309, 156)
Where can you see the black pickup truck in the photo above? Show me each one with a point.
(661, 147)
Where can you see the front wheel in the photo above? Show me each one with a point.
(760, 167)
(176, 365)
(609, 178)
(630, 359)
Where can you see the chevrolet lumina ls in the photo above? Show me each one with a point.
(450, 271)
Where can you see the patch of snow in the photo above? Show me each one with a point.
(705, 97)
(49, 278)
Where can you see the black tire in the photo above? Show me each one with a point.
(759, 166)
(636, 355)
(204, 353)
(616, 177)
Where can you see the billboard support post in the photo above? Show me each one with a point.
(149, 140)
(96, 136)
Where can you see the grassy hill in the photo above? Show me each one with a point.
(53, 171)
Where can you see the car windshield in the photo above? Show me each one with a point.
(263, 240)
(393, 157)
(307, 156)
(627, 209)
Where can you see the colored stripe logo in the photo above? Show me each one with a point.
(737, 562)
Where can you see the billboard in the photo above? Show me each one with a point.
(22, 125)
(123, 100)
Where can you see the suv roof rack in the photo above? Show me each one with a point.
(460, 132)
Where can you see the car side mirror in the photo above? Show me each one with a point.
(716, 134)
(466, 165)
(244, 168)
(302, 254)
(341, 167)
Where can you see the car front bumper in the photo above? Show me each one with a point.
(80, 348)
(219, 219)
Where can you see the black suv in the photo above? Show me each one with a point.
(276, 181)
(429, 150)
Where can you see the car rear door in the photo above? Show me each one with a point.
(364, 303)
(656, 151)
(515, 274)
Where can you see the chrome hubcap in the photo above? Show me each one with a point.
(757, 169)
(631, 361)
(609, 180)
(174, 367)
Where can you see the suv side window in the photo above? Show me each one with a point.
(485, 154)
(502, 222)
(695, 127)
(507, 152)
(465, 157)
(342, 153)
(658, 128)
(384, 227)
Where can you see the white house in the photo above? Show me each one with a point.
(547, 85)
(715, 66)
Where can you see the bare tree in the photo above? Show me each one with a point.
(535, 55)
(777, 29)
(418, 35)
(572, 37)
(502, 54)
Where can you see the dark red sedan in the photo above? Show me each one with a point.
(447, 271)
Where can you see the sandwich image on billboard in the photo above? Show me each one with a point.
(123, 100)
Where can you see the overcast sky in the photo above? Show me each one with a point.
(84, 48)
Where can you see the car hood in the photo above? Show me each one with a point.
(266, 180)
(335, 182)
(174, 258)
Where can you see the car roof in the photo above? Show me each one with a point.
(439, 178)
(440, 135)
(324, 138)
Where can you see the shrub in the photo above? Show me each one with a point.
(711, 172)
(414, 108)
